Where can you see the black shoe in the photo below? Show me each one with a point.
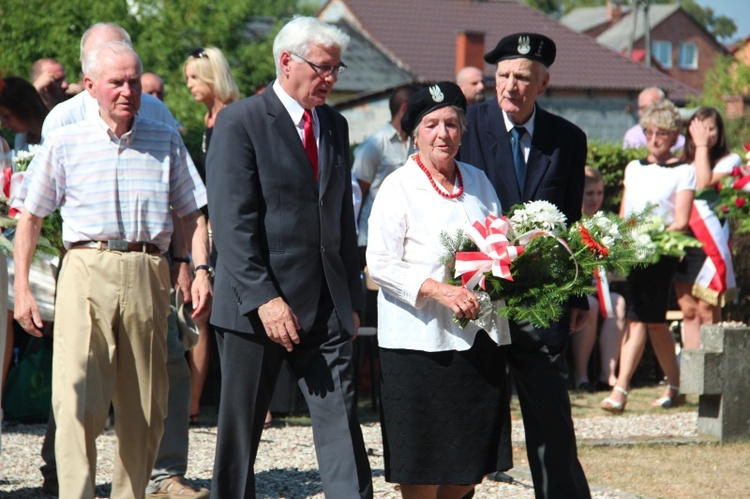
(501, 476)
(586, 386)
(469, 495)
(601, 386)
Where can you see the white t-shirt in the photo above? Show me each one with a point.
(652, 183)
(727, 163)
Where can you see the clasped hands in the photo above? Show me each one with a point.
(463, 302)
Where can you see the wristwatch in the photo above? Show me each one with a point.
(207, 268)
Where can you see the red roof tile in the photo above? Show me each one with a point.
(422, 35)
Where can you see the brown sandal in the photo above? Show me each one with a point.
(195, 419)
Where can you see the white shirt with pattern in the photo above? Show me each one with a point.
(114, 188)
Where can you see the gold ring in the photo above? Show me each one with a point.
(468, 300)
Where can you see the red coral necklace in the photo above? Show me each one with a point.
(434, 185)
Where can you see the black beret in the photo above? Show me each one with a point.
(428, 99)
(523, 45)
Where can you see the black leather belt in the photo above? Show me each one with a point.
(118, 245)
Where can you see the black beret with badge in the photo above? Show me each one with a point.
(523, 45)
(427, 100)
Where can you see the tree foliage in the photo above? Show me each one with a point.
(719, 26)
(727, 78)
(611, 159)
(31, 29)
(164, 32)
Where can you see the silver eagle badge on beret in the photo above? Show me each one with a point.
(524, 45)
(436, 93)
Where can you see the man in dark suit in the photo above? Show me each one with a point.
(287, 277)
(531, 154)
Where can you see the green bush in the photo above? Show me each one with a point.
(611, 159)
(738, 133)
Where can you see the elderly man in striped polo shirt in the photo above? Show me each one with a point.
(116, 181)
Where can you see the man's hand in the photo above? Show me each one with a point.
(578, 318)
(202, 294)
(26, 313)
(43, 81)
(280, 323)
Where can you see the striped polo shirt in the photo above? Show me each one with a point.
(114, 188)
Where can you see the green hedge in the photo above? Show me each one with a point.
(611, 159)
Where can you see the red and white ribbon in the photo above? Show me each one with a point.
(495, 254)
(742, 183)
(717, 272)
(602, 292)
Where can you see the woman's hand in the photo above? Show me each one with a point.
(463, 302)
(700, 132)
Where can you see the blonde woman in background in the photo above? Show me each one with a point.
(210, 81)
(663, 180)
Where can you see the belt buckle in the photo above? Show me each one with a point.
(117, 245)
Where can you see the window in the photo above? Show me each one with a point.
(688, 56)
(662, 52)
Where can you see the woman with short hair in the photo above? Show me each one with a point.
(663, 180)
(441, 384)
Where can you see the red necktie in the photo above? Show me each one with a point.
(311, 148)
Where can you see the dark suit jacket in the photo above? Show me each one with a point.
(277, 232)
(554, 173)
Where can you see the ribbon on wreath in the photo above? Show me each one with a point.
(742, 184)
(741, 178)
(11, 184)
(495, 254)
(602, 292)
(7, 172)
(715, 282)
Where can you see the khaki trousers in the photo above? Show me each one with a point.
(110, 346)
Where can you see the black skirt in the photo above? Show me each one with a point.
(690, 265)
(649, 289)
(441, 413)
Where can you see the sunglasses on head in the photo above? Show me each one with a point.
(199, 53)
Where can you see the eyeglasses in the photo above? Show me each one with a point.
(199, 53)
(662, 134)
(324, 71)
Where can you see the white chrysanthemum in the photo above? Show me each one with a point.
(540, 215)
(608, 241)
(22, 159)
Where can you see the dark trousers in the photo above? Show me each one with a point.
(540, 375)
(322, 363)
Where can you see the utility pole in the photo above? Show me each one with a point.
(647, 31)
